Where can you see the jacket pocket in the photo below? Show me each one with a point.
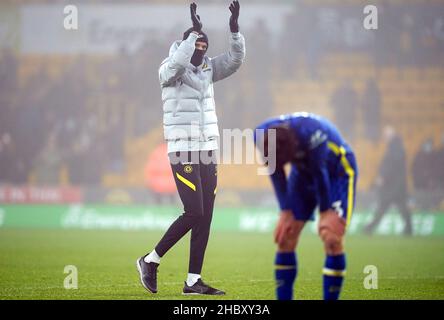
(188, 105)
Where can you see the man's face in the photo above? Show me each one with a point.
(201, 46)
(199, 53)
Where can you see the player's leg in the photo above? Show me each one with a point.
(187, 177)
(188, 182)
(331, 231)
(332, 227)
(201, 231)
(286, 267)
(288, 230)
(384, 203)
(406, 214)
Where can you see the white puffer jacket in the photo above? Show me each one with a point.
(189, 119)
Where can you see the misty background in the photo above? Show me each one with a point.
(82, 108)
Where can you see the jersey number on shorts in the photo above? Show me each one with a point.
(337, 207)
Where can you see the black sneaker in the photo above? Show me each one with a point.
(201, 288)
(148, 274)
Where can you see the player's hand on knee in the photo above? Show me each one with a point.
(285, 227)
(331, 220)
(331, 231)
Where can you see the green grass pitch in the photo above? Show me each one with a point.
(32, 264)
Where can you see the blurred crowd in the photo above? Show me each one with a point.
(428, 167)
(78, 120)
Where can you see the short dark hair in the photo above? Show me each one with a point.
(286, 143)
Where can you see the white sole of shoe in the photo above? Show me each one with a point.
(200, 294)
(192, 294)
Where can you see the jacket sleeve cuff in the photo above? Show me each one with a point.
(236, 35)
(192, 37)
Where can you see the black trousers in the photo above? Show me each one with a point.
(195, 174)
(385, 201)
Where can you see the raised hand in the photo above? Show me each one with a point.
(197, 24)
(234, 8)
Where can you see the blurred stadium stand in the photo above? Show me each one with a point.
(92, 119)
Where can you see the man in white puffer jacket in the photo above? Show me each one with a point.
(190, 129)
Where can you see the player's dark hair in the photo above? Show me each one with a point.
(286, 144)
